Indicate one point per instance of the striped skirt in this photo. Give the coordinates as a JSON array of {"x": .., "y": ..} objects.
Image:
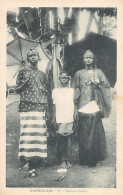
[{"x": 33, "y": 138}]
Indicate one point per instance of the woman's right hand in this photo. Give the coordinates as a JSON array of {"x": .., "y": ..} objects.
[
  {"x": 76, "y": 115},
  {"x": 27, "y": 76},
  {"x": 26, "y": 81},
  {"x": 20, "y": 88}
]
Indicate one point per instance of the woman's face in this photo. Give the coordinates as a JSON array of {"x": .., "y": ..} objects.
[
  {"x": 88, "y": 60},
  {"x": 33, "y": 58}
]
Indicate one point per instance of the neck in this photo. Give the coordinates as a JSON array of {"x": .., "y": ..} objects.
[
  {"x": 64, "y": 85},
  {"x": 33, "y": 66},
  {"x": 88, "y": 67}
]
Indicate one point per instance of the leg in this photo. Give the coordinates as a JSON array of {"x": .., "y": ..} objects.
[
  {"x": 64, "y": 154},
  {"x": 69, "y": 151},
  {"x": 61, "y": 149}
]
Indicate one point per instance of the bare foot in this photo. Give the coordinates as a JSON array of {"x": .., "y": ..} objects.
[
  {"x": 32, "y": 173},
  {"x": 69, "y": 165},
  {"x": 63, "y": 165},
  {"x": 26, "y": 166}
]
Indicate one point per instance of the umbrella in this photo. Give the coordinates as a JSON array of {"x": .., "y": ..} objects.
[
  {"x": 17, "y": 55},
  {"x": 18, "y": 48},
  {"x": 103, "y": 47}
]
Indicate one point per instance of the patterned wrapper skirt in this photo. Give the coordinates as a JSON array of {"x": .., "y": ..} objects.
[{"x": 33, "y": 138}]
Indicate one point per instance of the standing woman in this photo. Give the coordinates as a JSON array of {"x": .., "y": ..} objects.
[
  {"x": 32, "y": 87},
  {"x": 92, "y": 103}
]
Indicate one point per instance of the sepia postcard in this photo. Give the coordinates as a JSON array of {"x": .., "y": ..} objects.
[{"x": 61, "y": 97}]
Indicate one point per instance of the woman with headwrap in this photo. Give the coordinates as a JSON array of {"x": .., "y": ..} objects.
[
  {"x": 32, "y": 87},
  {"x": 92, "y": 103}
]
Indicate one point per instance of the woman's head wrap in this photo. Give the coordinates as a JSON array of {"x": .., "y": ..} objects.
[
  {"x": 31, "y": 52},
  {"x": 88, "y": 53}
]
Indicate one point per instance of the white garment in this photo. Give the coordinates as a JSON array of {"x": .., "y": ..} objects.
[
  {"x": 90, "y": 107},
  {"x": 63, "y": 99}
]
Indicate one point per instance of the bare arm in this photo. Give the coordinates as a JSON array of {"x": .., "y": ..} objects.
[
  {"x": 76, "y": 94},
  {"x": 20, "y": 82}
]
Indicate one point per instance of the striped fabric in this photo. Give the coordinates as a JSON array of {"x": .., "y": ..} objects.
[{"x": 33, "y": 139}]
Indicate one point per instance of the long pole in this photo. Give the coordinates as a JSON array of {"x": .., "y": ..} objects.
[
  {"x": 26, "y": 23},
  {"x": 39, "y": 15}
]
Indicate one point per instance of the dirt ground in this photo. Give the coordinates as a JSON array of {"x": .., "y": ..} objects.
[{"x": 78, "y": 176}]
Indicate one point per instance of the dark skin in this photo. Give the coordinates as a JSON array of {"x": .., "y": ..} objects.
[
  {"x": 33, "y": 59},
  {"x": 64, "y": 79},
  {"x": 88, "y": 61}
]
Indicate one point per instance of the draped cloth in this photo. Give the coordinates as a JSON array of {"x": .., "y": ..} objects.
[
  {"x": 91, "y": 138},
  {"x": 84, "y": 93},
  {"x": 33, "y": 138},
  {"x": 63, "y": 100},
  {"x": 93, "y": 103},
  {"x": 32, "y": 108}
]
